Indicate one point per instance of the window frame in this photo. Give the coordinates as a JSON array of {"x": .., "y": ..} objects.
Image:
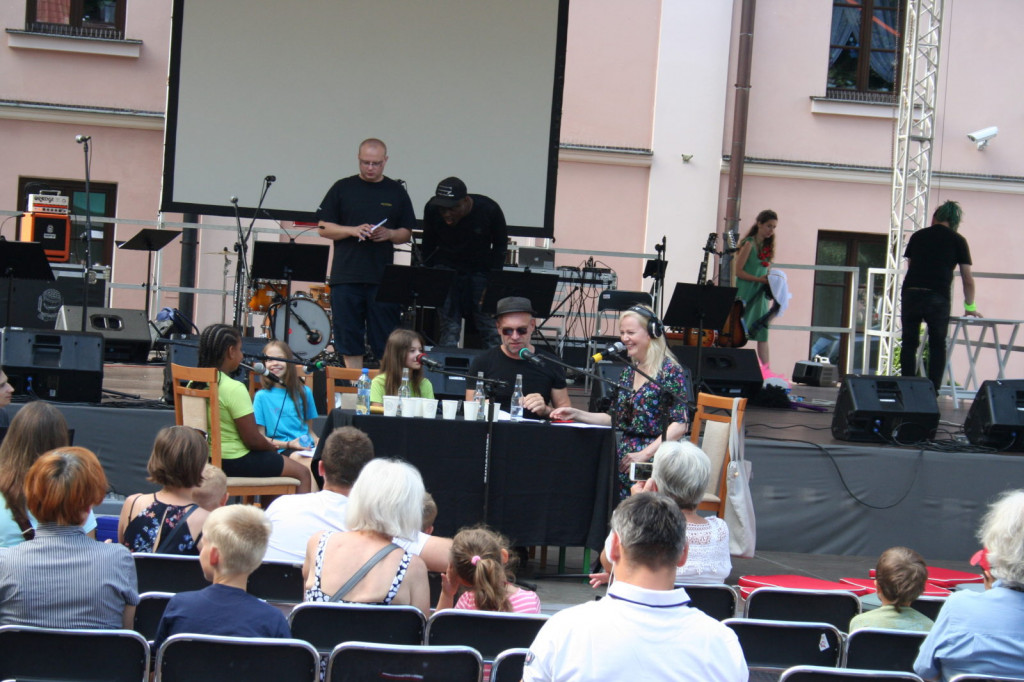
[
  {"x": 861, "y": 92},
  {"x": 78, "y": 26}
]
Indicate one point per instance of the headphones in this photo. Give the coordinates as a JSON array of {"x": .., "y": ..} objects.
[{"x": 655, "y": 328}]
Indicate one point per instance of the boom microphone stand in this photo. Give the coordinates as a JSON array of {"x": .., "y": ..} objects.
[{"x": 84, "y": 141}]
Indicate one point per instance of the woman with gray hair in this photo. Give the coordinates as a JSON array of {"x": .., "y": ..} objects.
[
  {"x": 364, "y": 565},
  {"x": 982, "y": 633}
]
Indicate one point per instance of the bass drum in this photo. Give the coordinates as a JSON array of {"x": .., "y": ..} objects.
[{"x": 310, "y": 325}]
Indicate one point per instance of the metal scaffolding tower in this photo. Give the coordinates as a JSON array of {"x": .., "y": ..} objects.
[{"x": 911, "y": 168}]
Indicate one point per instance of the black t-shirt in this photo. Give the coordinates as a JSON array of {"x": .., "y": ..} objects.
[
  {"x": 476, "y": 243},
  {"x": 536, "y": 378},
  {"x": 933, "y": 253},
  {"x": 353, "y": 201}
]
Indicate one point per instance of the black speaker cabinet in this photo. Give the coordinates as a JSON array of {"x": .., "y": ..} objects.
[
  {"x": 54, "y": 365},
  {"x": 732, "y": 372},
  {"x": 601, "y": 394},
  {"x": 996, "y": 417},
  {"x": 879, "y": 409},
  {"x": 815, "y": 374},
  {"x": 127, "y": 336},
  {"x": 454, "y": 360}
]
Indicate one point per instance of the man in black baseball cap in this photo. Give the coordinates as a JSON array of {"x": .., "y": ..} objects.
[{"x": 466, "y": 233}]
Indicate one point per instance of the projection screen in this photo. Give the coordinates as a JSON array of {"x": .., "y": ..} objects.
[{"x": 471, "y": 88}]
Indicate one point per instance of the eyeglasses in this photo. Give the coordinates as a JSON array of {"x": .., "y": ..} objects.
[
  {"x": 509, "y": 331},
  {"x": 371, "y": 164}
]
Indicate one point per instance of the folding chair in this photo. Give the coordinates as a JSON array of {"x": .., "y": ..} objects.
[
  {"x": 347, "y": 374},
  {"x": 205, "y": 658},
  {"x": 488, "y": 632},
  {"x": 148, "y": 613},
  {"x": 30, "y": 653},
  {"x": 813, "y": 673},
  {"x": 715, "y": 444},
  {"x": 881, "y": 649},
  {"x": 325, "y": 626},
  {"x": 169, "y": 573},
  {"x": 508, "y": 665},
  {"x": 717, "y": 601},
  {"x": 774, "y": 645},
  {"x": 984, "y": 678},
  {"x": 361, "y": 661},
  {"x": 277, "y": 581},
  {"x": 929, "y": 606},
  {"x": 200, "y": 408},
  {"x": 835, "y": 607}
]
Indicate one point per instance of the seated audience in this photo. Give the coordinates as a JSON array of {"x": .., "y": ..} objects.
[
  {"x": 982, "y": 633},
  {"x": 64, "y": 578},
  {"x": 900, "y": 578},
  {"x": 480, "y": 564},
  {"x": 233, "y": 543},
  {"x": 37, "y": 428},
  {"x": 429, "y": 514},
  {"x": 645, "y": 627},
  {"x": 6, "y": 393},
  {"x": 212, "y": 493},
  {"x": 297, "y": 517},
  {"x": 168, "y": 521},
  {"x": 363, "y": 565}
]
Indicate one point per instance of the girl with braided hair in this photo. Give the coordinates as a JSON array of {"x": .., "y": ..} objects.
[{"x": 244, "y": 450}]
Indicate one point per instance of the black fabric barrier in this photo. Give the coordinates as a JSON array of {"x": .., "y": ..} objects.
[{"x": 549, "y": 484}]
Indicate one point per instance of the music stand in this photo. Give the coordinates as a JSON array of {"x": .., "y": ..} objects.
[
  {"x": 416, "y": 288},
  {"x": 149, "y": 240},
  {"x": 24, "y": 260},
  {"x": 539, "y": 287},
  {"x": 290, "y": 261},
  {"x": 699, "y": 306}
]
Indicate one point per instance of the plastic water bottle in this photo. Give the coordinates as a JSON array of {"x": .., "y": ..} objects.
[
  {"x": 480, "y": 399},
  {"x": 363, "y": 393},
  {"x": 517, "y": 400},
  {"x": 404, "y": 391}
]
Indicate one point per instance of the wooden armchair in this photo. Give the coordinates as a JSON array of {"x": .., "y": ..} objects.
[
  {"x": 348, "y": 374},
  {"x": 715, "y": 444}
]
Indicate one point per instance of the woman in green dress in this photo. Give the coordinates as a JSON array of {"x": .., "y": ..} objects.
[{"x": 751, "y": 265}]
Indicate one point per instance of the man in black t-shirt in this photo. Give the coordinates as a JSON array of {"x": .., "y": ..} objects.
[
  {"x": 932, "y": 254},
  {"x": 365, "y": 215},
  {"x": 466, "y": 233},
  {"x": 544, "y": 386}
]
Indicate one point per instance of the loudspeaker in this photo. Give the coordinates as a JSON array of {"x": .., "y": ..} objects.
[
  {"x": 996, "y": 418},
  {"x": 815, "y": 374},
  {"x": 454, "y": 360},
  {"x": 127, "y": 336},
  {"x": 732, "y": 372},
  {"x": 877, "y": 409},
  {"x": 51, "y": 230},
  {"x": 601, "y": 394},
  {"x": 64, "y": 366}
]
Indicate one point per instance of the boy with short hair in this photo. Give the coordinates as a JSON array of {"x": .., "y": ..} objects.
[
  {"x": 212, "y": 493},
  {"x": 900, "y": 578},
  {"x": 233, "y": 544},
  {"x": 429, "y": 514}
]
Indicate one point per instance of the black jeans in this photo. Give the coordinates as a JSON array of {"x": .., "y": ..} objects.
[{"x": 933, "y": 309}]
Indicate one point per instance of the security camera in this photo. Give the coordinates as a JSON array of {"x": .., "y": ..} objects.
[{"x": 983, "y": 136}]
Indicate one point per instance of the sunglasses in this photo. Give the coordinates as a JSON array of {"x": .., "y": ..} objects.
[{"x": 508, "y": 331}]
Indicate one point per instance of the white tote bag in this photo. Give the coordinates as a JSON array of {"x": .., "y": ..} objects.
[{"x": 739, "y": 507}]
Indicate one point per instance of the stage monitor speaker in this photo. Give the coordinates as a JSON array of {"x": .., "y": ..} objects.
[
  {"x": 454, "y": 360},
  {"x": 127, "y": 334},
  {"x": 815, "y": 374},
  {"x": 881, "y": 409},
  {"x": 601, "y": 394},
  {"x": 732, "y": 372},
  {"x": 996, "y": 418},
  {"x": 54, "y": 365}
]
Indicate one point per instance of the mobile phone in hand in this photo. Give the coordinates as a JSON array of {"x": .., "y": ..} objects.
[{"x": 640, "y": 471}]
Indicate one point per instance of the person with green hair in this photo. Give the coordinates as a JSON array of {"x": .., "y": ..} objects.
[{"x": 932, "y": 254}]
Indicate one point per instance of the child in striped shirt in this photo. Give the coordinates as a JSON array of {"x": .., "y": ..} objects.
[{"x": 480, "y": 564}]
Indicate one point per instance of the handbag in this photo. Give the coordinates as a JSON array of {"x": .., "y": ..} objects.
[{"x": 739, "y": 506}]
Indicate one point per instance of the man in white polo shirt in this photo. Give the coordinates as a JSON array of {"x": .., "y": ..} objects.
[
  {"x": 296, "y": 518},
  {"x": 644, "y": 628}
]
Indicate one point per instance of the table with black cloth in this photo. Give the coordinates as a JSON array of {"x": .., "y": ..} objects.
[{"x": 548, "y": 484}]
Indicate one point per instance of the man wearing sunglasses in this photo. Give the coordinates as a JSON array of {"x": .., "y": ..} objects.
[{"x": 543, "y": 383}]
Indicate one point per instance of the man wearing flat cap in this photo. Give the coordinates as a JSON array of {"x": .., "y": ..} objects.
[
  {"x": 543, "y": 382},
  {"x": 466, "y": 233}
]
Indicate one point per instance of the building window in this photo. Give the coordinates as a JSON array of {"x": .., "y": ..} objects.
[
  {"x": 102, "y": 202},
  {"x": 865, "y": 49},
  {"x": 77, "y": 18}
]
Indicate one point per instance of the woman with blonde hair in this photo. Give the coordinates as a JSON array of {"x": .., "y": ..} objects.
[{"x": 645, "y": 411}]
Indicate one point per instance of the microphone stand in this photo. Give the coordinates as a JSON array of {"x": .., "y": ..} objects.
[
  {"x": 487, "y": 381},
  {"x": 242, "y": 247},
  {"x": 584, "y": 372},
  {"x": 88, "y": 241}
]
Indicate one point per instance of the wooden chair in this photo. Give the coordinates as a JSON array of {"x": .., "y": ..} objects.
[
  {"x": 347, "y": 374},
  {"x": 715, "y": 444},
  {"x": 200, "y": 408}
]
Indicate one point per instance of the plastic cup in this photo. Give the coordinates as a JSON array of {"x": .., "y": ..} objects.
[
  {"x": 410, "y": 407},
  {"x": 469, "y": 410},
  {"x": 390, "y": 405},
  {"x": 449, "y": 408},
  {"x": 428, "y": 407}
]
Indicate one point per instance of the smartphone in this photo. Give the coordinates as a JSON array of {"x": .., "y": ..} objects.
[{"x": 640, "y": 471}]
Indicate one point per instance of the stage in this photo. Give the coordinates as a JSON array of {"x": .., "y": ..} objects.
[{"x": 812, "y": 494}]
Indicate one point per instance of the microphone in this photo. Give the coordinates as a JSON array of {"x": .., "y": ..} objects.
[
  {"x": 427, "y": 362},
  {"x": 270, "y": 178},
  {"x": 261, "y": 369},
  {"x": 313, "y": 336},
  {"x": 615, "y": 350},
  {"x": 82, "y": 138},
  {"x": 234, "y": 200},
  {"x": 317, "y": 366},
  {"x": 527, "y": 354}
]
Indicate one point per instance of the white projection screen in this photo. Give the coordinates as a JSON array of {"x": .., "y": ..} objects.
[{"x": 471, "y": 88}]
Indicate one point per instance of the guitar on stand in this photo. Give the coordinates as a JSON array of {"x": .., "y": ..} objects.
[{"x": 733, "y": 334}]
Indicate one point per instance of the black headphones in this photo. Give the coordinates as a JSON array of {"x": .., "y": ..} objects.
[{"x": 655, "y": 329}]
